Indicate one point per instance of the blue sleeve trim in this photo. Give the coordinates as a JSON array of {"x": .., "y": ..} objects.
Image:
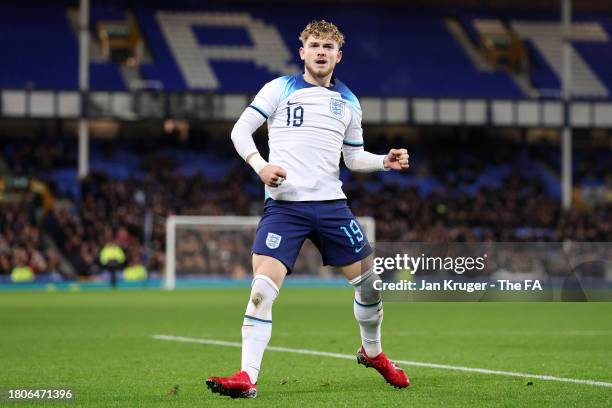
[
  {"x": 259, "y": 110},
  {"x": 372, "y": 305},
  {"x": 347, "y": 95},
  {"x": 354, "y": 144},
  {"x": 291, "y": 84},
  {"x": 257, "y": 319}
]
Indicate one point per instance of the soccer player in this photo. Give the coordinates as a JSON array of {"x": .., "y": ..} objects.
[{"x": 312, "y": 119}]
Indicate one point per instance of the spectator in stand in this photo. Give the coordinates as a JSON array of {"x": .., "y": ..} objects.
[{"x": 517, "y": 209}]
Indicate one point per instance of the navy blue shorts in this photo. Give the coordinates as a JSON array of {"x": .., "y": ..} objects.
[{"x": 330, "y": 225}]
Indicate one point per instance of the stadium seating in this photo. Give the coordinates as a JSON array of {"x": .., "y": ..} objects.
[
  {"x": 456, "y": 190},
  {"x": 405, "y": 52},
  {"x": 503, "y": 191},
  {"x": 39, "y": 47},
  {"x": 396, "y": 60},
  {"x": 541, "y": 34}
]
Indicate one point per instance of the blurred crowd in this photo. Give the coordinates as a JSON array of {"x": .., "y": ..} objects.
[
  {"x": 21, "y": 243},
  {"x": 518, "y": 211},
  {"x": 132, "y": 211}
]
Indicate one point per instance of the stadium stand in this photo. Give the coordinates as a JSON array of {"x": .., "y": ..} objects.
[
  {"x": 458, "y": 189},
  {"x": 504, "y": 191},
  {"x": 40, "y": 48},
  {"x": 258, "y": 45}
]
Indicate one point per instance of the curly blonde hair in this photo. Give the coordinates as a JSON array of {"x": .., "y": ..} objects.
[{"x": 322, "y": 29}]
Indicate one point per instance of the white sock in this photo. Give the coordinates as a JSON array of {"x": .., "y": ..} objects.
[
  {"x": 368, "y": 309},
  {"x": 257, "y": 324}
]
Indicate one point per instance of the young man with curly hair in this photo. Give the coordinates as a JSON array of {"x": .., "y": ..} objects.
[{"x": 313, "y": 119}]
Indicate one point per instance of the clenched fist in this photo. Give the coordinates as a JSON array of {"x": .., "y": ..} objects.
[
  {"x": 273, "y": 175},
  {"x": 397, "y": 159}
]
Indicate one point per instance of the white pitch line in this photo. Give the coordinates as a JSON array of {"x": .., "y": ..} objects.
[{"x": 404, "y": 362}]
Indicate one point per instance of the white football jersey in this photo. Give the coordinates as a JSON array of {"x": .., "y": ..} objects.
[{"x": 307, "y": 126}]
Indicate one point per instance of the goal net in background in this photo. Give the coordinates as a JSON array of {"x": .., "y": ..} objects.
[{"x": 220, "y": 247}]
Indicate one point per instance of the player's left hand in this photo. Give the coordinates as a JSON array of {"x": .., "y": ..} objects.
[{"x": 397, "y": 159}]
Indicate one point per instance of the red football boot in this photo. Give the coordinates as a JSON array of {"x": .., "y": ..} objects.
[
  {"x": 392, "y": 373},
  {"x": 238, "y": 385}
]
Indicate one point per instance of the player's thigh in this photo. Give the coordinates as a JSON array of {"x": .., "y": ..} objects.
[
  {"x": 357, "y": 268},
  {"x": 280, "y": 235},
  {"x": 341, "y": 240},
  {"x": 270, "y": 267}
]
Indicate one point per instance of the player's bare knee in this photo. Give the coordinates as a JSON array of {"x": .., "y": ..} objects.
[{"x": 366, "y": 263}]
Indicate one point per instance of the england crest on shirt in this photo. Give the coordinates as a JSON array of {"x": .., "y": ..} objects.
[
  {"x": 336, "y": 106},
  {"x": 273, "y": 240}
]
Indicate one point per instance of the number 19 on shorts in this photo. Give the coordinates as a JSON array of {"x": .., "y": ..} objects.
[{"x": 353, "y": 232}]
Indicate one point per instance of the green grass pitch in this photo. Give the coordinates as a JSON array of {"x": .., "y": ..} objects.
[{"x": 99, "y": 344}]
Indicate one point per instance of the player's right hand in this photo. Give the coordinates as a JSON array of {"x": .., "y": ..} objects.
[{"x": 273, "y": 175}]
